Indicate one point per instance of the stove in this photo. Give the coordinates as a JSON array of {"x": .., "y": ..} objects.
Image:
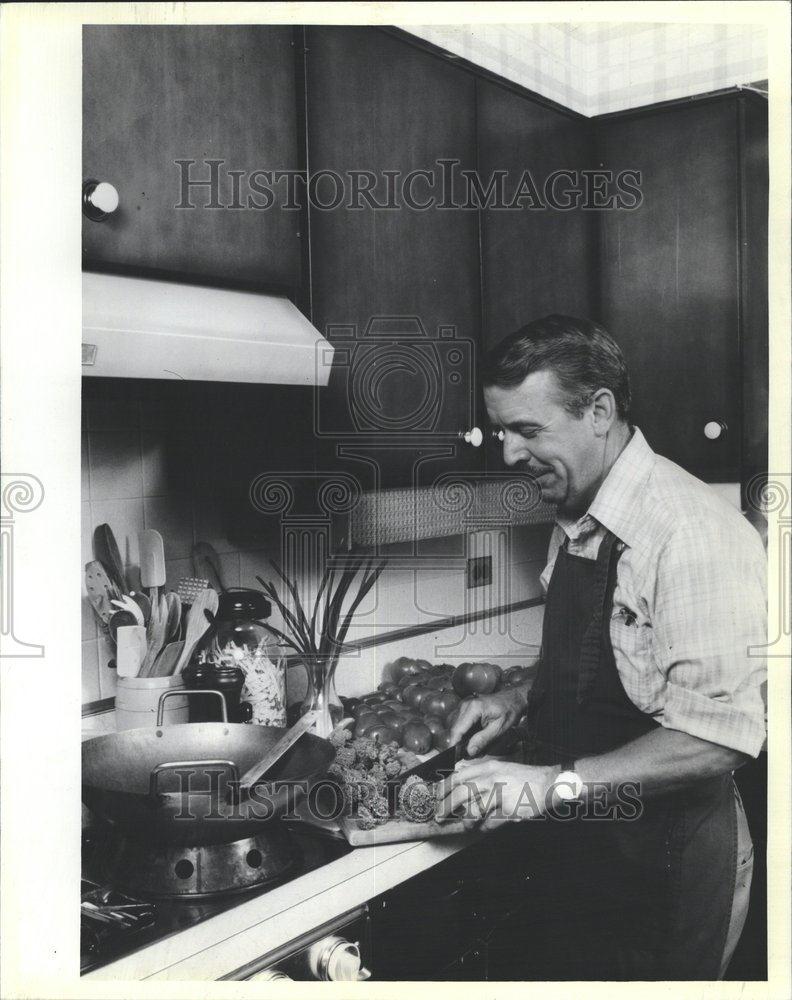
[{"x": 134, "y": 895}]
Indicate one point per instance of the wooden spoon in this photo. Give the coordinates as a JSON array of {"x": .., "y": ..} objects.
[
  {"x": 196, "y": 625},
  {"x": 165, "y": 664},
  {"x": 173, "y": 604}
]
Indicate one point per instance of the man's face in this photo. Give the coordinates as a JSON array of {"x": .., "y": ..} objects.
[{"x": 564, "y": 452}]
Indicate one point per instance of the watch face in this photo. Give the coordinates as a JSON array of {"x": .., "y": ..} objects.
[{"x": 568, "y": 786}]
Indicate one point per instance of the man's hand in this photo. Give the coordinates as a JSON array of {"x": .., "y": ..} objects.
[
  {"x": 495, "y": 712},
  {"x": 489, "y": 792}
]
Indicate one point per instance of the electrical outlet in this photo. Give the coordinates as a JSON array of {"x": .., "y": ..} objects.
[{"x": 479, "y": 571}]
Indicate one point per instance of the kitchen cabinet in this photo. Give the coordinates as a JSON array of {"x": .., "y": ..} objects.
[
  {"x": 674, "y": 275},
  {"x": 154, "y": 95},
  {"x": 396, "y": 289},
  {"x": 535, "y": 259}
]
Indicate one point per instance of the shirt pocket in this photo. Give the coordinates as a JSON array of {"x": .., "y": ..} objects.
[{"x": 631, "y": 637}]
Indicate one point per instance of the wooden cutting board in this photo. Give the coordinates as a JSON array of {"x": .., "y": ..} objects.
[{"x": 397, "y": 830}]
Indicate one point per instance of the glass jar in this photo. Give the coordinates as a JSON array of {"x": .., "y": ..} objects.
[{"x": 238, "y": 657}]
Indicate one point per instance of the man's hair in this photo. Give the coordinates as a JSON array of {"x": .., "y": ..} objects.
[{"x": 582, "y": 356}]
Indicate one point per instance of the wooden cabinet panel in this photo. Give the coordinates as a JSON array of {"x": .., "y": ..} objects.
[
  {"x": 396, "y": 289},
  {"x": 156, "y": 94},
  {"x": 670, "y": 279},
  {"x": 535, "y": 260},
  {"x": 753, "y": 262}
]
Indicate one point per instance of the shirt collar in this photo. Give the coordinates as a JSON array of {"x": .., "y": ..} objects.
[{"x": 618, "y": 502}]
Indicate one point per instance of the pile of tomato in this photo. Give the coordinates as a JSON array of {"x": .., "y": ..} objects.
[{"x": 419, "y": 702}]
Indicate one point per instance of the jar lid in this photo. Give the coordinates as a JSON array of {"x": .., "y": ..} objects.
[{"x": 243, "y": 602}]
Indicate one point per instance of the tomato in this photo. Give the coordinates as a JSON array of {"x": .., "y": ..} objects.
[
  {"x": 410, "y": 677},
  {"x": 434, "y": 724},
  {"x": 423, "y": 665},
  {"x": 417, "y": 737},
  {"x": 433, "y": 704},
  {"x": 516, "y": 675},
  {"x": 476, "y": 678},
  {"x": 413, "y": 694},
  {"x": 383, "y": 733},
  {"x": 442, "y": 739},
  {"x": 375, "y": 698},
  {"x": 402, "y": 667},
  {"x": 395, "y": 722},
  {"x": 365, "y": 723},
  {"x": 446, "y": 703}
]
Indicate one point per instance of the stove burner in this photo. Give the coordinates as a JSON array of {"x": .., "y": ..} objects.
[
  {"x": 107, "y": 859},
  {"x": 202, "y": 871}
]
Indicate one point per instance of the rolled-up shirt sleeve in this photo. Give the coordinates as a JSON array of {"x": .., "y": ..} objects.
[{"x": 708, "y": 612}]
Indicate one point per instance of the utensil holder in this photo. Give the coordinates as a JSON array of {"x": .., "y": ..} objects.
[{"x": 137, "y": 699}]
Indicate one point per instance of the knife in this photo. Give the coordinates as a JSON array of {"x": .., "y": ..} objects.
[{"x": 442, "y": 764}]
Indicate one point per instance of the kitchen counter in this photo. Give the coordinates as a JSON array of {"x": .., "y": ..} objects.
[{"x": 244, "y": 933}]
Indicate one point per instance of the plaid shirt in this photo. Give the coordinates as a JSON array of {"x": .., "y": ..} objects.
[{"x": 690, "y": 598}]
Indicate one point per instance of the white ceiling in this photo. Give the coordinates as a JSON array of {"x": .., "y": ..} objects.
[{"x": 599, "y": 67}]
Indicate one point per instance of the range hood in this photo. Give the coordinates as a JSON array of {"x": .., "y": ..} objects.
[{"x": 141, "y": 328}]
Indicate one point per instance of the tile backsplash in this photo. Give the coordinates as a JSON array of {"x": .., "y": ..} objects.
[{"x": 156, "y": 457}]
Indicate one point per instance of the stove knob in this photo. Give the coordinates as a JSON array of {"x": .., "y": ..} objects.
[
  {"x": 268, "y": 974},
  {"x": 336, "y": 960}
]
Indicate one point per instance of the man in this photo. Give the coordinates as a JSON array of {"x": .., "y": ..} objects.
[{"x": 656, "y": 593}]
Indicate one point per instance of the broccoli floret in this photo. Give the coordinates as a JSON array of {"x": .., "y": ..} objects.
[
  {"x": 393, "y": 768},
  {"x": 340, "y": 737},
  {"x": 365, "y": 820},
  {"x": 378, "y": 775},
  {"x": 378, "y": 807},
  {"x": 345, "y": 757},
  {"x": 417, "y": 800},
  {"x": 388, "y": 752},
  {"x": 367, "y": 750}
]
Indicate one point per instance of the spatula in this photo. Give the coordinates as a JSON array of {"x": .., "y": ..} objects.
[
  {"x": 152, "y": 562},
  {"x": 206, "y": 562},
  {"x": 101, "y": 591},
  {"x": 196, "y": 625},
  {"x": 106, "y": 549},
  {"x": 274, "y": 754}
]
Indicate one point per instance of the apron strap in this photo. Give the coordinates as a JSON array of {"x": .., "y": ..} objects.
[{"x": 607, "y": 559}]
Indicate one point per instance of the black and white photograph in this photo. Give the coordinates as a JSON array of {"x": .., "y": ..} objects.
[{"x": 417, "y": 516}]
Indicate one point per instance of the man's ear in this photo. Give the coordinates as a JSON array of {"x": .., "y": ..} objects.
[{"x": 603, "y": 411}]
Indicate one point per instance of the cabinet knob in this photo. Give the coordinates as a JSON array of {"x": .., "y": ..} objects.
[
  {"x": 714, "y": 429},
  {"x": 100, "y": 199},
  {"x": 474, "y": 437}
]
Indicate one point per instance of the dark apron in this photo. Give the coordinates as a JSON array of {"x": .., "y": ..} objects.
[{"x": 647, "y": 898}]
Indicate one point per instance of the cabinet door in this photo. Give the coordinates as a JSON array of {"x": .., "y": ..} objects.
[
  {"x": 535, "y": 261},
  {"x": 396, "y": 289},
  {"x": 153, "y": 95},
  {"x": 670, "y": 282}
]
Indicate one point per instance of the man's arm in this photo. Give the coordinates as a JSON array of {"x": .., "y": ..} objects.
[{"x": 662, "y": 760}]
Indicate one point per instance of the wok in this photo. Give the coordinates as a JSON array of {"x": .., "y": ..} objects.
[{"x": 137, "y": 780}]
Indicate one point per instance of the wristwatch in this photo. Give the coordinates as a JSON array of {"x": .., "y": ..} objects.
[{"x": 568, "y": 786}]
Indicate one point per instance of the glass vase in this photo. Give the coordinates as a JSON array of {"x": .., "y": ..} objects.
[{"x": 321, "y": 696}]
